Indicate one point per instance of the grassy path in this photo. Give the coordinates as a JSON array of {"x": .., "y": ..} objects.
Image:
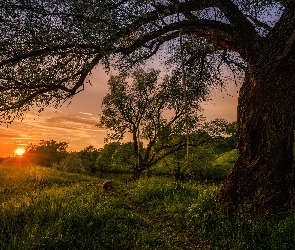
[{"x": 179, "y": 233}]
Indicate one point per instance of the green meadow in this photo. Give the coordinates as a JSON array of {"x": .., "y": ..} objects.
[{"x": 45, "y": 208}]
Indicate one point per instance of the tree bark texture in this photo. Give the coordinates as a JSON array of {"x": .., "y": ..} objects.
[{"x": 263, "y": 176}]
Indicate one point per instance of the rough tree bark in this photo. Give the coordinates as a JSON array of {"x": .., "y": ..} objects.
[{"x": 263, "y": 176}]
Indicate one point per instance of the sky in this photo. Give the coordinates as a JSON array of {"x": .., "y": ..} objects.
[{"x": 75, "y": 122}]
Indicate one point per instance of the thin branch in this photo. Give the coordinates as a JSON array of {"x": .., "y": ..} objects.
[
  {"x": 45, "y": 51},
  {"x": 258, "y": 23},
  {"x": 84, "y": 74}
]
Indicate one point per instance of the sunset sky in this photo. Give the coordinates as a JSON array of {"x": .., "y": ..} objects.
[{"x": 75, "y": 123}]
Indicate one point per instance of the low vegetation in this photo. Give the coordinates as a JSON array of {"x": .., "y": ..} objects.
[{"x": 45, "y": 208}]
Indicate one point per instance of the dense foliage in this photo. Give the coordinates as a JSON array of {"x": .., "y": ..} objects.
[
  {"x": 79, "y": 162},
  {"x": 46, "y": 152}
]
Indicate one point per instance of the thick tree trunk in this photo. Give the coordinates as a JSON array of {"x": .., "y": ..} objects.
[{"x": 263, "y": 177}]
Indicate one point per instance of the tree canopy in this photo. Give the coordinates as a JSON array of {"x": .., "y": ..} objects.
[{"x": 48, "y": 48}]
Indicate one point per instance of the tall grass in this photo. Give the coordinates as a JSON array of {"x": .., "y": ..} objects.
[
  {"x": 194, "y": 207},
  {"x": 49, "y": 209},
  {"x": 43, "y": 208}
]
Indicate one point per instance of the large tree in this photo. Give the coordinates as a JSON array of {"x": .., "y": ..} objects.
[{"x": 48, "y": 48}]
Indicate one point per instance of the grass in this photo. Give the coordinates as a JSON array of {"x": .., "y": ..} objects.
[
  {"x": 193, "y": 207},
  {"x": 42, "y": 208}
]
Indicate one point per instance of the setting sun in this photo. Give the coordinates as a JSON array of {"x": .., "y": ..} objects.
[{"x": 19, "y": 151}]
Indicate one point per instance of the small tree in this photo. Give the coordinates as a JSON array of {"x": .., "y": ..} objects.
[
  {"x": 88, "y": 157},
  {"x": 151, "y": 111},
  {"x": 71, "y": 163},
  {"x": 46, "y": 152},
  {"x": 123, "y": 158},
  {"x": 199, "y": 159},
  {"x": 80, "y": 162}
]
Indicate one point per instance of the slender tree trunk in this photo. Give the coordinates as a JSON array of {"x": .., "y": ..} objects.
[
  {"x": 136, "y": 172},
  {"x": 263, "y": 176}
]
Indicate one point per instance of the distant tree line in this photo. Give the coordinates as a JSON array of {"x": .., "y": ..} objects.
[{"x": 205, "y": 145}]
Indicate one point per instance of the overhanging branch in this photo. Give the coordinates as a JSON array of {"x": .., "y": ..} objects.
[
  {"x": 216, "y": 32},
  {"x": 47, "y": 50}
]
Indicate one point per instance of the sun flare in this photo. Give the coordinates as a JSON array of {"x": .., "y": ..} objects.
[{"x": 19, "y": 151}]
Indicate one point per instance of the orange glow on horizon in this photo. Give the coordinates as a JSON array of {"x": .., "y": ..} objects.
[{"x": 19, "y": 151}]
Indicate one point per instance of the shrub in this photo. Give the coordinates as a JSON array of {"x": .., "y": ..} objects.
[{"x": 72, "y": 163}]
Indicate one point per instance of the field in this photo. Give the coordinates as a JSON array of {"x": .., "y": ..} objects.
[{"x": 43, "y": 208}]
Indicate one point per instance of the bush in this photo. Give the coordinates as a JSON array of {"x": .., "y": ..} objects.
[
  {"x": 72, "y": 163},
  {"x": 46, "y": 153},
  {"x": 104, "y": 160},
  {"x": 80, "y": 162},
  {"x": 203, "y": 164},
  {"x": 200, "y": 161}
]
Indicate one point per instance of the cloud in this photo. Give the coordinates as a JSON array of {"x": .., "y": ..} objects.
[
  {"x": 6, "y": 133},
  {"x": 83, "y": 113},
  {"x": 70, "y": 122}
]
